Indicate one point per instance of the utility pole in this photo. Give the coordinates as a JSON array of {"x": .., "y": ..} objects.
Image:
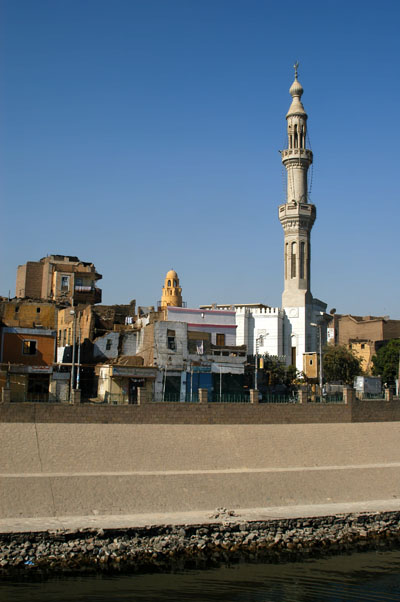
[
  {"x": 258, "y": 341},
  {"x": 320, "y": 356},
  {"x": 72, "y": 313},
  {"x": 78, "y": 375}
]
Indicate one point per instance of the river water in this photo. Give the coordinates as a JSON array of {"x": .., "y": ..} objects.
[{"x": 371, "y": 576}]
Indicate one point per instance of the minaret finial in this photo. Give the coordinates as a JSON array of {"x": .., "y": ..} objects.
[{"x": 296, "y": 66}]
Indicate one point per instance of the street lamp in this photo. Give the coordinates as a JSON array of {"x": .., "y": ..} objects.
[
  {"x": 71, "y": 384},
  {"x": 259, "y": 341},
  {"x": 320, "y": 355}
]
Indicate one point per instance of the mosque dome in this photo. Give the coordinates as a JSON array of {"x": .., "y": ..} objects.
[
  {"x": 296, "y": 89},
  {"x": 172, "y": 274}
]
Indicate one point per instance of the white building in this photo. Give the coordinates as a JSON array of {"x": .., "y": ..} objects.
[{"x": 220, "y": 323}]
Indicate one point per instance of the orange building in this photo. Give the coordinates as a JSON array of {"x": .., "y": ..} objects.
[{"x": 27, "y": 356}]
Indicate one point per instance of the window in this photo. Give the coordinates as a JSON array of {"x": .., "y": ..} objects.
[
  {"x": 171, "y": 340},
  {"x": 108, "y": 344},
  {"x": 169, "y": 283},
  {"x": 38, "y": 310},
  {"x": 362, "y": 345},
  {"x": 65, "y": 283},
  {"x": 220, "y": 340},
  {"x": 302, "y": 248},
  {"x": 286, "y": 258},
  {"x": 16, "y": 309},
  {"x": 29, "y": 348},
  {"x": 175, "y": 283},
  {"x": 78, "y": 281},
  {"x": 293, "y": 261}
]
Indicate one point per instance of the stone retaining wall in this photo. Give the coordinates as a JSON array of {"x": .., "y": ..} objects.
[{"x": 187, "y": 546}]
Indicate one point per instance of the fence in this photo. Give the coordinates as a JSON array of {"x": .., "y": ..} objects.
[
  {"x": 333, "y": 398},
  {"x": 35, "y": 398},
  {"x": 231, "y": 398},
  {"x": 175, "y": 396},
  {"x": 360, "y": 395},
  {"x": 279, "y": 398}
]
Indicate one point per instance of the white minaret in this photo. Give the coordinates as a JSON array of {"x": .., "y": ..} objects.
[{"x": 297, "y": 217}]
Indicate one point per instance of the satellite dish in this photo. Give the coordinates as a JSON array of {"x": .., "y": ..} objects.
[{"x": 333, "y": 311}]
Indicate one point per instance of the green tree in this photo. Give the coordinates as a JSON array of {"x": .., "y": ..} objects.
[
  {"x": 386, "y": 361},
  {"x": 277, "y": 372},
  {"x": 340, "y": 363}
]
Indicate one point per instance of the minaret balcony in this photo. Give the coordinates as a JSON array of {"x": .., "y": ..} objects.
[
  {"x": 293, "y": 214},
  {"x": 295, "y": 153}
]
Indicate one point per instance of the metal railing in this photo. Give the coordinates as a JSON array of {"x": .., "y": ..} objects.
[
  {"x": 279, "y": 398},
  {"x": 115, "y": 398},
  {"x": 230, "y": 398},
  {"x": 33, "y": 398},
  {"x": 175, "y": 397},
  {"x": 333, "y": 398},
  {"x": 369, "y": 395},
  {"x": 327, "y": 398}
]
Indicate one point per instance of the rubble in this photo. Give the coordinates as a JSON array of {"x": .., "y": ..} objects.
[{"x": 167, "y": 548}]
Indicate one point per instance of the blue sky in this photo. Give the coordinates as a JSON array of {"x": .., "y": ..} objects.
[{"x": 144, "y": 136}]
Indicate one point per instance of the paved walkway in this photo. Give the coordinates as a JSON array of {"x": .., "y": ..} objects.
[{"x": 73, "y": 523}]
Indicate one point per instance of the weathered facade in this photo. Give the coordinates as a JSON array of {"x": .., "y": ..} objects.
[
  {"x": 61, "y": 278},
  {"x": 27, "y": 348},
  {"x": 168, "y": 355},
  {"x": 125, "y": 381},
  {"x": 28, "y": 313},
  {"x": 26, "y": 357},
  {"x": 92, "y": 322},
  {"x": 363, "y": 334}
]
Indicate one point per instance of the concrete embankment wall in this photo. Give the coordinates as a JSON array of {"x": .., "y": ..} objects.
[{"x": 76, "y": 469}]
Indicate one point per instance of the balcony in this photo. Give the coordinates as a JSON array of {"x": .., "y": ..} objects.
[
  {"x": 297, "y": 153},
  {"x": 87, "y": 294}
]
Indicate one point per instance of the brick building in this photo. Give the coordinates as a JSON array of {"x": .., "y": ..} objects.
[
  {"x": 27, "y": 356},
  {"x": 363, "y": 334},
  {"x": 61, "y": 278},
  {"x": 28, "y": 313}
]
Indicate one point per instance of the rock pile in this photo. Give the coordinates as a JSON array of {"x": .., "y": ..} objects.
[{"x": 166, "y": 548}]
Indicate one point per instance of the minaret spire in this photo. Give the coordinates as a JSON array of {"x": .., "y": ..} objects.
[{"x": 297, "y": 215}]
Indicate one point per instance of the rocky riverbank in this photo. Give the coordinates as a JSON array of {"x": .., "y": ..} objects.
[{"x": 169, "y": 548}]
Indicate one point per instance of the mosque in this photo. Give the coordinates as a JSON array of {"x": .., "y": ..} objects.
[{"x": 294, "y": 329}]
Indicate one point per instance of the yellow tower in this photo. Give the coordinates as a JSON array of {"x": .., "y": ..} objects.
[{"x": 171, "y": 292}]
